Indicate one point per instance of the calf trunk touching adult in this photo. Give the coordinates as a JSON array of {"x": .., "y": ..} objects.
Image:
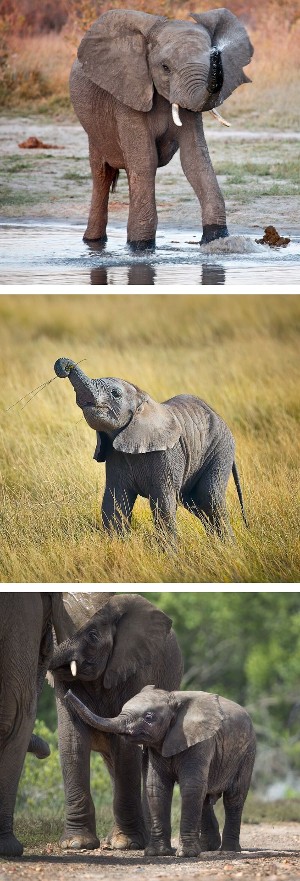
[{"x": 116, "y": 725}]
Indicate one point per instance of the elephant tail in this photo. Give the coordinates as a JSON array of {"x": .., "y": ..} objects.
[
  {"x": 115, "y": 181},
  {"x": 239, "y": 492}
]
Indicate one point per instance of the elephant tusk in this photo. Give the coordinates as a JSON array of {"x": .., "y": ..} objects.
[
  {"x": 219, "y": 118},
  {"x": 175, "y": 114},
  {"x": 73, "y": 666}
]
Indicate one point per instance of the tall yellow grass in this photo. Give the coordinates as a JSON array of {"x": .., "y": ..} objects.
[{"x": 240, "y": 353}]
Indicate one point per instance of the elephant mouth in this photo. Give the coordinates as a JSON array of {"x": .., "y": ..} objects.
[{"x": 67, "y": 672}]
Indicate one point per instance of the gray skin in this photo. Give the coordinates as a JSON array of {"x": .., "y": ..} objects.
[
  {"x": 180, "y": 450},
  {"x": 204, "y": 742},
  {"x": 131, "y": 67},
  {"x": 25, "y": 651},
  {"x": 126, "y": 644}
]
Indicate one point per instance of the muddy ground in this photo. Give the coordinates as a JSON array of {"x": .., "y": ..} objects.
[
  {"x": 270, "y": 851},
  {"x": 258, "y": 173}
]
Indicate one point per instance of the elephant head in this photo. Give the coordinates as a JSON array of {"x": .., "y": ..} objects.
[
  {"x": 121, "y": 413},
  {"x": 170, "y": 721},
  {"x": 122, "y": 637},
  {"x": 194, "y": 65}
]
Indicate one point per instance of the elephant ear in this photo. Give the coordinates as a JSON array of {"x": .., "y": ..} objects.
[
  {"x": 103, "y": 444},
  {"x": 113, "y": 54},
  {"x": 141, "y": 631},
  {"x": 198, "y": 718},
  {"x": 152, "y": 428},
  {"x": 228, "y": 35}
]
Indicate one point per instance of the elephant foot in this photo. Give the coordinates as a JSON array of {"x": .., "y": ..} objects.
[
  {"x": 233, "y": 846},
  {"x": 81, "y": 840},
  {"x": 210, "y": 842},
  {"x": 119, "y": 840},
  {"x": 159, "y": 849},
  {"x": 101, "y": 240},
  {"x": 10, "y": 846},
  {"x": 189, "y": 850},
  {"x": 147, "y": 245},
  {"x": 212, "y": 231}
]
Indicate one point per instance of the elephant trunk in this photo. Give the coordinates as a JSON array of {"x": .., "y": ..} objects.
[
  {"x": 83, "y": 385},
  {"x": 111, "y": 726}
]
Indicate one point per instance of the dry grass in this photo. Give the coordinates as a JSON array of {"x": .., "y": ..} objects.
[
  {"x": 238, "y": 353},
  {"x": 36, "y": 77}
]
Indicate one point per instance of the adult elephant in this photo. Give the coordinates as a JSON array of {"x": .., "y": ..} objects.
[
  {"x": 125, "y": 645},
  {"x": 139, "y": 88},
  {"x": 178, "y": 450},
  {"x": 25, "y": 651}
]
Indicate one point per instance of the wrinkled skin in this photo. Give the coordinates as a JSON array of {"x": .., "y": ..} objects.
[
  {"x": 204, "y": 742},
  {"x": 180, "y": 450},
  {"x": 124, "y": 645},
  {"x": 131, "y": 68},
  {"x": 25, "y": 651}
]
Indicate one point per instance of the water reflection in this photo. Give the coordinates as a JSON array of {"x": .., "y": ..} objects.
[
  {"x": 146, "y": 274},
  {"x": 137, "y": 274},
  {"x": 213, "y": 274}
]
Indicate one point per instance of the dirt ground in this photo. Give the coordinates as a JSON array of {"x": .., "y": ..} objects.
[
  {"x": 269, "y": 851},
  {"x": 258, "y": 173}
]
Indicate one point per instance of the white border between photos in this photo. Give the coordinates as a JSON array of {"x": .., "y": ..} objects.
[
  {"x": 167, "y": 290},
  {"x": 167, "y": 587}
]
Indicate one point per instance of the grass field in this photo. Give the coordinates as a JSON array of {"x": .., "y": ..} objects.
[{"x": 239, "y": 353}]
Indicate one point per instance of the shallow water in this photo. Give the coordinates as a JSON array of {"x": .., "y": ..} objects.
[{"x": 49, "y": 252}]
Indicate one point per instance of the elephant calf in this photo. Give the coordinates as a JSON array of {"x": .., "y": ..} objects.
[
  {"x": 180, "y": 450},
  {"x": 204, "y": 742}
]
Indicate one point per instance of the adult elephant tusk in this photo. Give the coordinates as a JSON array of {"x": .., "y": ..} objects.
[
  {"x": 175, "y": 114},
  {"x": 220, "y": 118},
  {"x": 73, "y": 666}
]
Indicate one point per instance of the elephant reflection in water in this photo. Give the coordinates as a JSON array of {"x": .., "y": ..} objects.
[{"x": 139, "y": 87}]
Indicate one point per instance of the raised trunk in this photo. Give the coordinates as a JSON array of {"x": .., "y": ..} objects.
[
  {"x": 83, "y": 385},
  {"x": 111, "y": 726}
]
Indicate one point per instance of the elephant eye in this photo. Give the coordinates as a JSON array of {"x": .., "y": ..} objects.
[
  {"x": 166, "y": 68},
  {"x": 116, "y": 392},
  {"x": 149, "y": 717},
  {"x": 93, "y": 636}
]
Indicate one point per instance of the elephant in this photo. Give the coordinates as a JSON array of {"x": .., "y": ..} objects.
[
  {"x": 180, "y": 450},
  {"x": 124, "y": 645},
  {"x": 139, "y": 87},
  {"x": 25, "y": 651},
  {"x": 204, "y": 742}
]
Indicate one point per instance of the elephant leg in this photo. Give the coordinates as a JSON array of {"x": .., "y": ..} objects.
[
  {"x": 74, "y": 747},
  {"x": 207, "y": 499},
  {"x": 103, "y": 176},
  {"x": 198, "y": 169},
  {"x": 193, "y": 793},
  {"x": 234, "y": 799},
  {"x": 117, "y": 508},
  {"x": 210, "y": 838},
  {"x": 164, "y": 515},
  {"x": 159, "y": 795},
  {"x": 12, "y": 756},
  {"x": 129, "y": 832},
  {"x": 140, "y": 159}
]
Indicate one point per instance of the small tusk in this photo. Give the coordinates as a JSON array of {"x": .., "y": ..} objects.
[
  {"x": 73, "y": 666},
  {"x": 175, "y": 114},
  {"x": 220, "y": 118}
]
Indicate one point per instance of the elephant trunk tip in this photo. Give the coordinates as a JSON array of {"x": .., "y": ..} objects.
[{"x": 63, "y": 366}]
